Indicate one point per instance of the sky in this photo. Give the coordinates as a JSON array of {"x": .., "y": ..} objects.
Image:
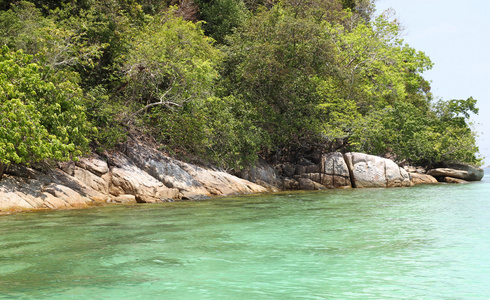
[{"x": 456, "y": 37}]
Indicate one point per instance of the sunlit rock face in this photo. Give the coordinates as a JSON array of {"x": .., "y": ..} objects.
[
  {"x": 334, "y": 170},
  {"x": 418, "y": 178},
  {"x": 369, "y": 171},
  {"x": 141, "y": 174}
]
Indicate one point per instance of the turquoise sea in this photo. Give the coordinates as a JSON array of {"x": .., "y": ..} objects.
[{"x": 424, "y": 242}]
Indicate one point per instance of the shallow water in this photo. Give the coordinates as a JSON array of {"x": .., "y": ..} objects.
[{"x": 425, "y": 242}]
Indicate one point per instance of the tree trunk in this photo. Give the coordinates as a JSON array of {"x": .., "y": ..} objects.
[{"x": 1, "y": 170}]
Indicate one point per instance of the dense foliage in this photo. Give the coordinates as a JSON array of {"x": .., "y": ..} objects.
[
  {"x": 220, "y": 81},
  {"x": 42, "y": 116}
]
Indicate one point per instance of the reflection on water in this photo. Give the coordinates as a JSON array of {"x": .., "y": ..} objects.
[{"x": 421, "y": 242}]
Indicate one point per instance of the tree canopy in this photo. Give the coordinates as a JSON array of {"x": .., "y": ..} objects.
[
  {"x": 220, "y": 81},
  {"x": 42, "y": 115}
]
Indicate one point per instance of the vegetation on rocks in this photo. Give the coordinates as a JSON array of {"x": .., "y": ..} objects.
[{"x": 220, "y": 81}]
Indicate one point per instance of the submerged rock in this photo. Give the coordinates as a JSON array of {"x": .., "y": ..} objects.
[{"x": 123, "y": 199}]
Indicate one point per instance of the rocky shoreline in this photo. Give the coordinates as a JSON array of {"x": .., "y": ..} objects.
[
  {"x": 355, "y": 170},
  {"x": 142, "y": 174}
]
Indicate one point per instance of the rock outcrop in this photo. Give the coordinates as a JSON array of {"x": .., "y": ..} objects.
[
  {"x": 461, "y": 171},
  {"x": 332, "y": 171},
  {"x": 356, "y": 170},
  {"x": 263, "y": 174},
  {"x": 141, "y": 174}
]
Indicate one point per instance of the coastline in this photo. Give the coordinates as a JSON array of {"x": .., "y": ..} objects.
[{"x": 142, "y": 174}]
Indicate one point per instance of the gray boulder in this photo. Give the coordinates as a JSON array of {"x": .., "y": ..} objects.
[
  {"x": 334, "y": 171},
  {"x": 369, "y": 171}
]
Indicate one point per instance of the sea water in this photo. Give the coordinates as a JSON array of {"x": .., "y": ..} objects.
[{"x": 424, "y": 242}]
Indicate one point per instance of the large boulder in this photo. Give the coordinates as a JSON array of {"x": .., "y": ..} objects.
[
  {"x": 369, "y": 171},
  {"x": 334, "y": 171},
  {"x": 331, "y": 172},
  {"x": 396, "y": 176},
  {"x": 461, "y": 171}
]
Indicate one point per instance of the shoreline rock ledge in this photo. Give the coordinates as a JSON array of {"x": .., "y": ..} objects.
[
  {"x": 458, "y": 171},
  {"x": 332, "y": 170},
  {"x": 142, "y": 174}
]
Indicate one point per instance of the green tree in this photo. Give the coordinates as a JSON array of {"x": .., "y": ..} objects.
[
  {"x": 171, "y": 62},
  {"x": 378, "y": 69},
  {"x": 276, "y": 63},
  {"x": 222, "y": 16},
  {"x": 416, "y": 135},
  {"x": 40, "y": 118}
]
